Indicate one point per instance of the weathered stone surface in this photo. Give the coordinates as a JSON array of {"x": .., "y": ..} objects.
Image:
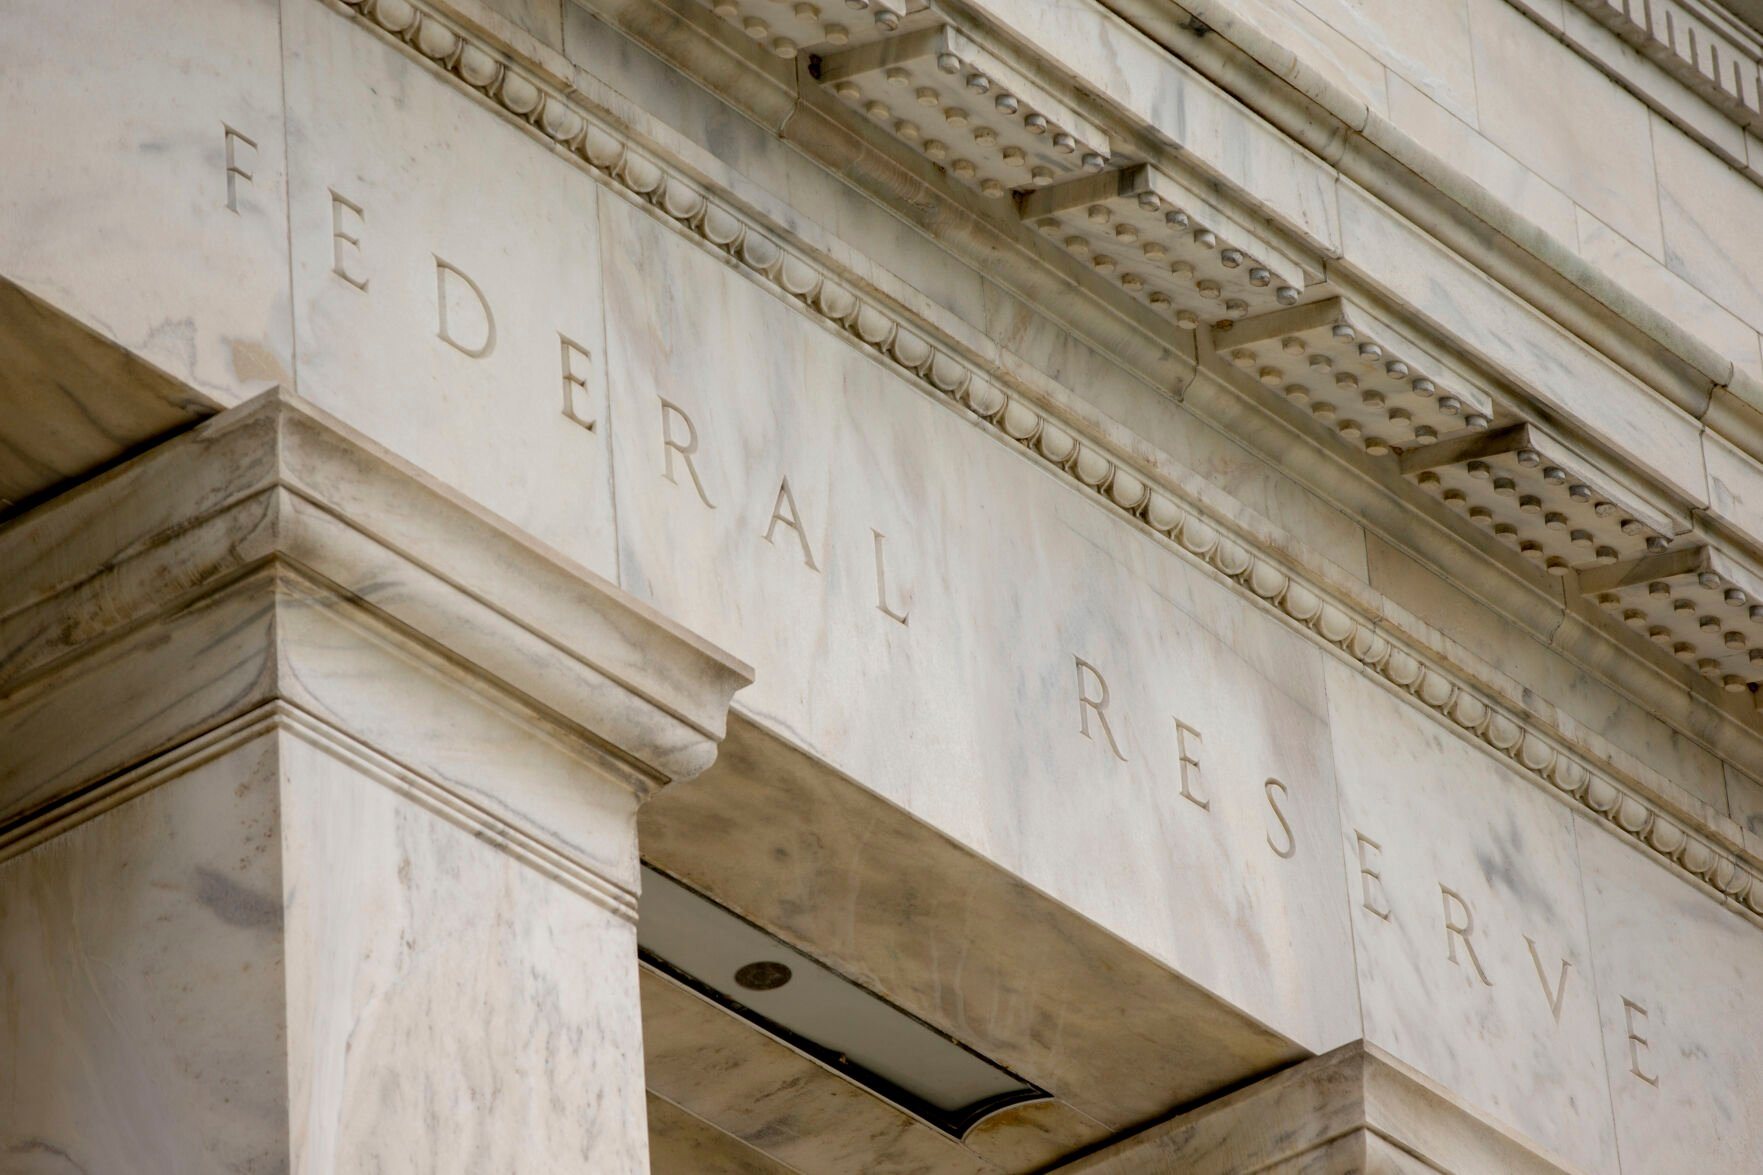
[{"x": 1339, "y": 704}]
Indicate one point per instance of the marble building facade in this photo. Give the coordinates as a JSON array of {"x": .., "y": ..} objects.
[{"x": 881, "y": 586}]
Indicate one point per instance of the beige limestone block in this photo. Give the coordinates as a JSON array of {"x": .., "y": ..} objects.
[
  {"x": 1735, "y": 488},
  {"x": 1343, "y": 59},
  {"x": 1667, "y": 292},
  {"x": 1678, "y": 972},
  {"x": 969, "y": 713},
  {"x": 1537, "y": 99},
  {"x": 1456, "y": 140},
  {"x": 1425, "y": 41},
  {"x": 1437, "y": 834},
  {"x": 143, "y": 191},
  {"x": 1710, "y": 212},
  {"x": 410, "y": 200}
]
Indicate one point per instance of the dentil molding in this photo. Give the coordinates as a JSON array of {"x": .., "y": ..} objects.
[
  {"x": 1578, "y": 768},
  {"x": 1698, "y": 44}
]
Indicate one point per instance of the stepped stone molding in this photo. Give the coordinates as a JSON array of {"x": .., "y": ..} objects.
[
  {"x": 1701, "y": 605},
  {"x": 1354, "y": 375},
  {"x": 1165, "y": 245},
  {"x": 942, "y": 94},
  {"x": 1700, "y": 854},
  {"x": 1698, "y": 44},
  {"x": 1533, "y": 493}
]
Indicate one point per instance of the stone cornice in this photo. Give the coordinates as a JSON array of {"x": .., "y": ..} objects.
[
  {"x": 1480, "y": 703},
  {"x": 1342, "y": 130},
  {"x": 275, "y": 481},
  {"x": 863, "y": 152}
]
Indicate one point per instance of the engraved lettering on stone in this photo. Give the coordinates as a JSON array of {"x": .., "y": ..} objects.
[
  {"x": 1095, "y": 702},
  {"x": 787, "y": 500},
  {"x": 1291, "y": 846},
  {"x": 1187, "y": 749},
  {"x": 881, "y": 582},
  {"x": 1636, "y": 1042},
  {"x": 343, "y": 208},
  {"x": 1371, "y": 894},
  {"x": 1558, "y": 996},
  {"x": 672, "y": 444},
  {"x": 1459, "y": 925},
  {"x": 445, "y": 288},
  {"x": 575, "y": 385},
  {"x": 235, "y": 167}
]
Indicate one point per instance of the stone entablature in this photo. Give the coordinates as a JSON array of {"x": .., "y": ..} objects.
[
  {"x": 1096, "y": 677},
  {"x": 1652, "y": 442},
  {"x": 1460, "y": 689}
]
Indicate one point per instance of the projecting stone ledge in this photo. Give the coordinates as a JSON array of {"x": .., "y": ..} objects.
[
  {"x": 1354, "y": 1111},
  {"x": 278, "y": 485}
]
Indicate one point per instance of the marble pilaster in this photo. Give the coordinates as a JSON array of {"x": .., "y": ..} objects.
[{"x": 319, "y": 804}]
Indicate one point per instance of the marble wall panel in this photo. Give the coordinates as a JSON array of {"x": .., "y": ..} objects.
[
  {"x": 502, "y": 759},
  {"x": 1744, "y": 801},
  {"x": 968, "y": 713},
  {"x": 1735, "y": 487},
  {"x": 1641, "y": 75},
  {"x": 450, "y": 1008},
  {"x": 1343, "y": 59},
  {"x": 540, "y": 19},
  {"x": 1455, "y": 139},
  {"x": 1710, "y": 212},
  {"x": 1455, "y": 839},
  {"x": 684, "y": 1144},
  {"x": 117, "y": 205},
  {"x": 1677, "y": 971},
  {"x": 1424, "y": 41},
  {"x": 1537, "y": 99},
  {"x": 395, "y": 172},
  {"x": 775, "y": 1099},
  {"x": 1669, "y": 294},
  {"x": 141, "y": 981}
]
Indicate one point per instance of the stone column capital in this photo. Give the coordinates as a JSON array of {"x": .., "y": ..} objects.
[{"x": 278, "y": 498}]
